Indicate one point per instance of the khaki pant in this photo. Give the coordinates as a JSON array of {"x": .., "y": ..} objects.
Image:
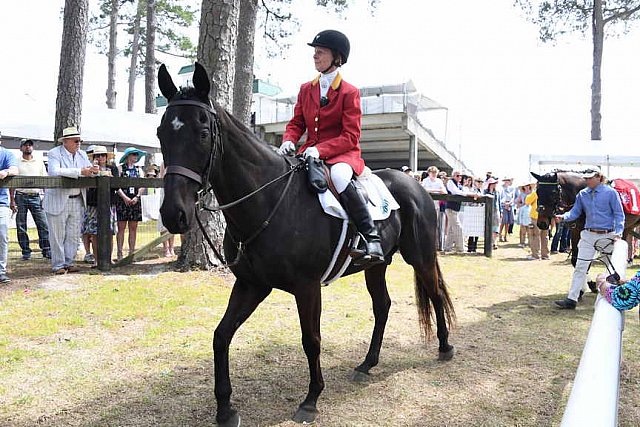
[{"x": 539, "y": 241}]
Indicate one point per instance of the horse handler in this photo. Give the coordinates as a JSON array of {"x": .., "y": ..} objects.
[{"x": 604, "y": 221}]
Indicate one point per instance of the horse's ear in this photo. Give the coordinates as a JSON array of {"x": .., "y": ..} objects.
[
  {"x": 536, "y": 176},
  {"x": 201, "y": 81},
  {"x": 167, "y": 88}
]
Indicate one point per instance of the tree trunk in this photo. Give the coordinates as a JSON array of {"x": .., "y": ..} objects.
[
  {"x": 150, "y": 60},
  {"x": 596, "y": 84},
  {"x": 71, "y": 73},
  {"x": 113, "y": 52},
  {"x": 243, "y": 84},
  {"x": 133, "y": 66},
  {"x": 217, "y": 47},
  {"x": 216, "y": 52}
]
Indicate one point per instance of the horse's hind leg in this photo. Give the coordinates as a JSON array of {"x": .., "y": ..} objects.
[
  {"x": 445, "y": 350},
  {"x": 243, "y": 301},
  {"x": 377, "y": 287},
  {"x": 308, "y": 300}
]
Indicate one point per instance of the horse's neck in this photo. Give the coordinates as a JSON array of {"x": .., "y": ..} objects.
[
  {"x": 571, "y": 186},
  {"x": 243, "y": 166}
]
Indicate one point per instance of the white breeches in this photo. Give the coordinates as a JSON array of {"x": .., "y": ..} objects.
[{"x": 341, "y": 174}]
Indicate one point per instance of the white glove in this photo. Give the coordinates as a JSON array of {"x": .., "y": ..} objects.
[
  {"x": 311, "y": 152},
  {"x": 287, "y": 147}
]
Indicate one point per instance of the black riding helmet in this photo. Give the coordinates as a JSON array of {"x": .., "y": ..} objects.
[{"x": 336, "y": 41}]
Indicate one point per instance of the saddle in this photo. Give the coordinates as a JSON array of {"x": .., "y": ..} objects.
[{"x": 350, "y": 241}]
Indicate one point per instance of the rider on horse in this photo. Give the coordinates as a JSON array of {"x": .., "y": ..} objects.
[{"x": 328, "y": 108}]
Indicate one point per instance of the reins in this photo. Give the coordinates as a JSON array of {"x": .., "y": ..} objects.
[
  {"x": 240, "y": 244},
  {"x": 216, "y": 145}
]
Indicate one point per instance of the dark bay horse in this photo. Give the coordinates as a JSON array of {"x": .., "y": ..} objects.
[
  {"x": 557, "y": 193},
  {"x": 204, "y": 146}
]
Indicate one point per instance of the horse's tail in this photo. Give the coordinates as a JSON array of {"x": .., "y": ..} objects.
[{"x": 431, "y": 288}]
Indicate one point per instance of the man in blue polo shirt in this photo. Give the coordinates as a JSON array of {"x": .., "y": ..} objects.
[
  {"x": 8, "y": 167},
  {"x": 604, "y": 221}
]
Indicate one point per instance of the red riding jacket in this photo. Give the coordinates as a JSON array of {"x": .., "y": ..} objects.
[{"x": 333, "y": 129}]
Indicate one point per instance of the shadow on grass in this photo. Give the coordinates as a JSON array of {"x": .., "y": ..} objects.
[{"x": 270, "y": 380}]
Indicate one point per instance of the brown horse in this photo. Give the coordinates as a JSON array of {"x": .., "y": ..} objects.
[
  {"x": 279, "y": 235},
  {"x": 557, "y": 193}
]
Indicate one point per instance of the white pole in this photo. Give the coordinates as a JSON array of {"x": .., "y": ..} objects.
[{"x": 594, "y": 397}]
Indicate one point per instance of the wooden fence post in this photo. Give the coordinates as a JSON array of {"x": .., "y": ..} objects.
[
  {"x": 488, "y": 225},
  {"x": 105, "y": 236}
]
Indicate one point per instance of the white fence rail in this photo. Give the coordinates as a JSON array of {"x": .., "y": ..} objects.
[{"x": 594, "y": 397}]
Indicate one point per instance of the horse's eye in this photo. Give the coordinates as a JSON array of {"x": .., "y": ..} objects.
[{"x": 204, "y": 134}]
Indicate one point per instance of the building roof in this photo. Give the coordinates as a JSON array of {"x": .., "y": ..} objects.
[{"x": 23, "y": 116}]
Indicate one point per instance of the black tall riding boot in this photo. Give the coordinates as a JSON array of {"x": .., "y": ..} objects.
[{"x": 356, "y": 207}]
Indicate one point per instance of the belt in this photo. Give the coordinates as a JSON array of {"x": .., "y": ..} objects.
[
  {"x": 75, "y": 195},
  {"x": 599, "y": 231},
  {"x": 24, "y": 193}
]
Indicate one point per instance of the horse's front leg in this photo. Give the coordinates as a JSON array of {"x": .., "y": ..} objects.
[
  {"x": 243, "y": 301},
  {"x": 377, "y": 287},
  {"x": 309, "y": 307}
]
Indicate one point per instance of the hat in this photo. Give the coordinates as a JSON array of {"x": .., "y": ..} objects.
[
  {"x": 491, "y": 181},
  {"x": 405, "y": 169},
  {"x": 70, "y": 132},
  {"x": 132, "y": 150},
  {"x": 99, "y": 149},
  {"x": 152, "y": 169},
  {"x": 333, "y": 40},
  {"x": 25, "y": 141},
  {"x": 590, "y": 173},
  {"x": 507, "y": 179}
]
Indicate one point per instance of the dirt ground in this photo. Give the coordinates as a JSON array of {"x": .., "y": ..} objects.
[{"x": 516, "y": 355}]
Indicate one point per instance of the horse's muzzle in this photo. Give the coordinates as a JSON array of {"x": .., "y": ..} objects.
[
  {"x": 174, "y": 219},
  {"x": 543, "y": 225},
  {"x": 178, "y": 206}
]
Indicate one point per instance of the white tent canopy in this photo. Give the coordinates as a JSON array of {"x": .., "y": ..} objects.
[
  {"x": 24, "y": 116},
  {"x": 611, "y": 157}
]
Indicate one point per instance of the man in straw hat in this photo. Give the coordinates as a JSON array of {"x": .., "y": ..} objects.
[
  {"x": 65, "y": 206},
  {"x": 604, "y": 221},
  {"x": 24, "y": 200},
  {"x": 8, "y": 167}
]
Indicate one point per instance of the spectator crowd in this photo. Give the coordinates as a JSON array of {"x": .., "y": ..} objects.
[
  {"x": 461, "y": 224},
  {"x": 66, "y": 216}
]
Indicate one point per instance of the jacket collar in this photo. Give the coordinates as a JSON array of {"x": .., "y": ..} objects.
[{"x": 334, "y": 85}]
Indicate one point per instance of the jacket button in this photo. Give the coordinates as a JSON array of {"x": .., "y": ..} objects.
[
  {"x": 316, "y": 119},
  {"x": 316, "y": 129}
]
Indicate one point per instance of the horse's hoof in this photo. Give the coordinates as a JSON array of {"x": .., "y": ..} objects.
[
  {"x": 233, "y": 421},
  {"x": 359, "y": 376},
  {"x": 305, "y": 415},
  {"x": 446, "y": 355}
]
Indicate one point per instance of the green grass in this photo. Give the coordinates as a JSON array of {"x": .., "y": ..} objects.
[{"x": 125, "y": 349}]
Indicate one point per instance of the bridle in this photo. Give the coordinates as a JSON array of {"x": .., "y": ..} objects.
[
  {"x": 560, "y": 206},
  {"x": 216, "y": 146},
  {"x": 205, "y": 187}
]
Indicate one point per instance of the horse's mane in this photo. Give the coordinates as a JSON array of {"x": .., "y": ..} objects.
[{"x": 231, "y": 124}]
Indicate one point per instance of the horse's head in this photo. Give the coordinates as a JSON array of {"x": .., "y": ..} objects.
[
  {"x": 548, "y": 190},
  {"x": 187, "y": 133}
]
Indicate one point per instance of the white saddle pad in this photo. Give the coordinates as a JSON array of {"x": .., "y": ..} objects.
[{"x": 381, "y": 202}]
